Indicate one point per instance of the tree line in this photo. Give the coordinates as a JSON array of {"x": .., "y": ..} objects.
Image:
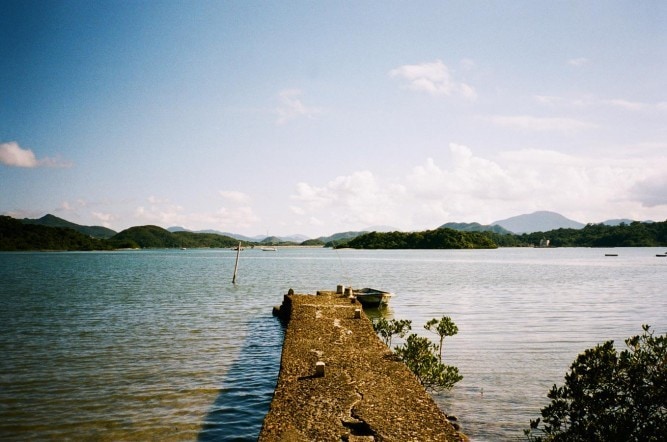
[
  {"x": 635, "y": 234},
  {"x": 17, "y": 236},
  {"x": 428, "y": 239}
]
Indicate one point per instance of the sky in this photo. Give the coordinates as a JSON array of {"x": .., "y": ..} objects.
[{"x": 312, "y": 118}]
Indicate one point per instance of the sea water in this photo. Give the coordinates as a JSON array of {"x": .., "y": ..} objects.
[{"x": 160, "y": 345}]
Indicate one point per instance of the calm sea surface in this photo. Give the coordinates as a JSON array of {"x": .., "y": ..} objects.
[{"x": 159, "y": 345}]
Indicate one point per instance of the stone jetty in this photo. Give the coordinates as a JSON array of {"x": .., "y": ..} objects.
[{"x": 339, "y": 382}]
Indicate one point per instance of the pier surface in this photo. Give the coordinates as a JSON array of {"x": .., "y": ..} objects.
[{"x": 365, "y": 394}]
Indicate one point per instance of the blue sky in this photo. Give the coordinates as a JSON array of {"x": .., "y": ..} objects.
[{"x": 319, "y": 117}]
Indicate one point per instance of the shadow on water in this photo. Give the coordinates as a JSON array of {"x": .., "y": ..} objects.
[{"x": 247, "y": 389}]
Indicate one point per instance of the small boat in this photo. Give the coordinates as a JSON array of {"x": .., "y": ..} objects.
[
  {"x": 660, "y": 255},
  {"x": 372, "y": 297},
  {"x": 236, "y": 248},
  {"x": 269, "y": 249},
  {"x": 611, "y": 254}
]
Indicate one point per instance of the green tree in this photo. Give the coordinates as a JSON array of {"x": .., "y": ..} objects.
[
  {"x": 418, "y": 354},
  {"x": 443, "y": 327},
  {"x": 610, "y": 396},
  {"x": 388, "y": 329}
]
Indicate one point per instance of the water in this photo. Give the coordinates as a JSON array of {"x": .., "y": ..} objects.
[{"x": 159, "y": 345}]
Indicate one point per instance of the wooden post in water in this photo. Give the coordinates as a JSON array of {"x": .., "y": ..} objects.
[{"x": 236, "y": 265}]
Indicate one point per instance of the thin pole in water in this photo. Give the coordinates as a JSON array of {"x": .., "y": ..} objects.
[{"x": 236, "y": 266}]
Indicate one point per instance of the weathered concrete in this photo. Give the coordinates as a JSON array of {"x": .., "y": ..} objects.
[{"x": 365, "y": 393}]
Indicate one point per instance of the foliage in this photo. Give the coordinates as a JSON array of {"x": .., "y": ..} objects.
[
  {"x": 53, "y": 221},
  {"x": 635, "y": 234},
  {"x": 610, "y": 396},
  {"x": 339, "y": 240},
  {"x": 15, "y": 235},
  {"x": 428, "y": 239},
  {"x": 388, "y": 329},
  {"x": 19, "y": 235},
  {"x": 157, "y": 237},
  {"x": 475, "y": 227},
  {"x": 443, "y": 327},
  {"x": 418, "y": 354},
  {"x": 191, "y": 239},
  {"x": 313, "y": 242}
]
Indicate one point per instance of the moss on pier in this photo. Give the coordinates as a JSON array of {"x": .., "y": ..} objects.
[{"x": 365, "y": 393}]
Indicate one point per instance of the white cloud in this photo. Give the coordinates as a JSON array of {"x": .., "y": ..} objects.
[
  {"x": 541, "y": 124},
  {"x": 357, "y": 199},
  {"x": 651, "y": 191},
  {"x": 466, "y": 187},
  {"x": 234, "y": 196},
  {"x": 578, "y": 62},
  {"x": 588, "y": 101},
  {"x": 291, "y": 107},
  {"x": 549, "y": 100},
  {"x": 627, "y": 105},
  {"x": 467, "y": 64},
  {"x": 163, "y": 212},
  {"x": 104, "y": 218},
  {"x": 433, "y": 78},
  {"x": 297, "y": 210},
  {"x": 11, "y": 154}
]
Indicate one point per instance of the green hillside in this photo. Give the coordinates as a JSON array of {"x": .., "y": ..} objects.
[
  {"x": 53, "y": 221},
  {"x": 154, "y": 237},
  {"x": 16, "y": 235},
  {"x": 475, "y": 227}
]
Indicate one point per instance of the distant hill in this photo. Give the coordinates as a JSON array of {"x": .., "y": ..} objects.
[
  {"x": 257, "y": 238},
  {"x": 617, "y": 222},
  {"x": 339, "y": 238},
  {"x": 157, "y": 237},
  {"x": 475, "y": 227},
  {"x": 18, "y": 235},
  {"x": 53, "y": 221},
  {"x": 174, "y": 229},
  {"x": 275, "y": 240},
  {"x": 538, "y": 222},
  {"x": 380, "y": 229}
]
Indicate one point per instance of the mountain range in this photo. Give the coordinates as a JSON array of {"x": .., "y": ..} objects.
[
  {"x": 49, "y": 220},
  {"x": 53, "y": 233},
  {"x": 540, "y": 221}
]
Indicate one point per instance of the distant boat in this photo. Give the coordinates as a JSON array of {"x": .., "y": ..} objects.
[
  {"x": 611, "y": 254},
  {"x": 372, "y": 297},
  {"x": 660, "y": 255},
  {"x": 269, "y": 249},
  {"x": 237, "y": 248}
]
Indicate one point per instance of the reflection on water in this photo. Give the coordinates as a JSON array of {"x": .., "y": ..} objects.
[{"x": 160, "y": 344}]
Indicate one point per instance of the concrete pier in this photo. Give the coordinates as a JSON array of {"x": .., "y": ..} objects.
[{"x": 339, "y": 382}]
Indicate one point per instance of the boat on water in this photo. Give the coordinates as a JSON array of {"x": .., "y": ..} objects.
[
  {"x": 369, "y": 297},
  {"x": 269, "y": 249}
]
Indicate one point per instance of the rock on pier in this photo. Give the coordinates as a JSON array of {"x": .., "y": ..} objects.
[{"x": 339, "y": 381}]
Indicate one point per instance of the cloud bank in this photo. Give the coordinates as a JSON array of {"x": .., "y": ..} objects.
[
  {"x": 13, "y": 155},
  {"x": 467, "y": 187}
]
